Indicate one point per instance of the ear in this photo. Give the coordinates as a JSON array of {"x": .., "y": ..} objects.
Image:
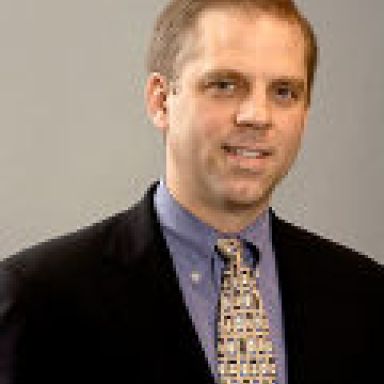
[{"x": 156, "y": 100}]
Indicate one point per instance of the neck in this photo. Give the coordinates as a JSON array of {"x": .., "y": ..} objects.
[
  {"x": 229, "y": 221},
  {"x": 224, "y": 217}
]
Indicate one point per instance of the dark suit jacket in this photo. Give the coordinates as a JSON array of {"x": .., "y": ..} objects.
[{"x": 103, "y": 305}]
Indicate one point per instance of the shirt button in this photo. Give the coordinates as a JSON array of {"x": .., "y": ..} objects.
[{"x": 196, "y": 277}]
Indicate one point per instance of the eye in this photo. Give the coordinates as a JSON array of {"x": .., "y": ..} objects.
[
  {"x": 285, "y": 92},
  {"x": 222, "y": 85}
]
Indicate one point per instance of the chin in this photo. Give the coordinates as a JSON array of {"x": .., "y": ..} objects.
[
  {"x": 247, "y": 202},
  {"x": 246, "y": 196}
]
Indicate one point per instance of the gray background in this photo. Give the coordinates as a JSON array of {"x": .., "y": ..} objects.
[{"x": 76, "y": 146}]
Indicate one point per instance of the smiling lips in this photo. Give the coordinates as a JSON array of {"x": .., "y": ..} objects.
[{"x": 247, "y": 152}]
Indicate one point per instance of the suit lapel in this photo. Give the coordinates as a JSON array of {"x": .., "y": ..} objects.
[
  {"x": 176, "y": 352},
  {"x": 292, "y": 301},
  {"x": 308, "y": 297}
]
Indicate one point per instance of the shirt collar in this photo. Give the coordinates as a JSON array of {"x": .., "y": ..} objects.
[
  {"x": 200, "y": 236},
  {"x": 184, "y": 225}
]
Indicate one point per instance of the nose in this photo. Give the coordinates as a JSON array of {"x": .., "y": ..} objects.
[{"x": 254, "y": 111}]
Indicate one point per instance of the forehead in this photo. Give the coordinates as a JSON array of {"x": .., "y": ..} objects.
[{"x": 251, "y": 42}]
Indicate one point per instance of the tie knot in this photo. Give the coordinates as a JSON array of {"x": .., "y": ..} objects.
[{"x": 229, "y": 249}]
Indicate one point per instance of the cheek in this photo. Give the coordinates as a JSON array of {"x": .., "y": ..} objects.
[
  {"x": 292, "y": 142},
  {"x": 290, "y": 135},
  {"x": 188, "y": 135},
  {"x": 214, "y": 121},
  {"x": 206, "y": 128},
  {"x": 292, "y": 126},
  {"x": 198, "y": 127}
]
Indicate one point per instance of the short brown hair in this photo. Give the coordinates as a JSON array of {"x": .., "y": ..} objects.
[{"x": 180, "y": 17}]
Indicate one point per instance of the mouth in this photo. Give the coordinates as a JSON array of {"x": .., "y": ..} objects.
[{"x": 247, "y": 152}]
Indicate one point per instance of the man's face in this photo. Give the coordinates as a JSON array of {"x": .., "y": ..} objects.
[{"x": 234, "y": 122}]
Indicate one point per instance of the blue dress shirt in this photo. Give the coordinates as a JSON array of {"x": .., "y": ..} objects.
[{"x": 198, "y": 267}]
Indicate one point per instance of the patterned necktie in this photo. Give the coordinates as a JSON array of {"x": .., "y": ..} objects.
[{"x": 244, "y": 347}]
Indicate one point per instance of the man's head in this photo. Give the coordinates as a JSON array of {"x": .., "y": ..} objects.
[
  {"x": 232, "y": 105},
  {"x": 179, "y": 19}
]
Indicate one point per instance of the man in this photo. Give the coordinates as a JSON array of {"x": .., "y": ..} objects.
[{"x": 139, "y": 297}]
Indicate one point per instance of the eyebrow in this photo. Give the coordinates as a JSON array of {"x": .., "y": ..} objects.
[
  {"x": 223, "y": 73},
  {"x": 297, "y": 82},
  {"x": 290, "y": 79}
]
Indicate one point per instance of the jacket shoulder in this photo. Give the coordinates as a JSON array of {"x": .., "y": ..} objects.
[
  {"x": 323, "y": 253},
  {"x": 122, "y": 235}
]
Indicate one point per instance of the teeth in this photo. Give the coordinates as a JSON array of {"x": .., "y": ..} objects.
[{"x": 248, "y": 153}]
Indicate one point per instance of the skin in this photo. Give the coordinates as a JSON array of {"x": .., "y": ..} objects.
[{"x": 234, "y": 119}]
